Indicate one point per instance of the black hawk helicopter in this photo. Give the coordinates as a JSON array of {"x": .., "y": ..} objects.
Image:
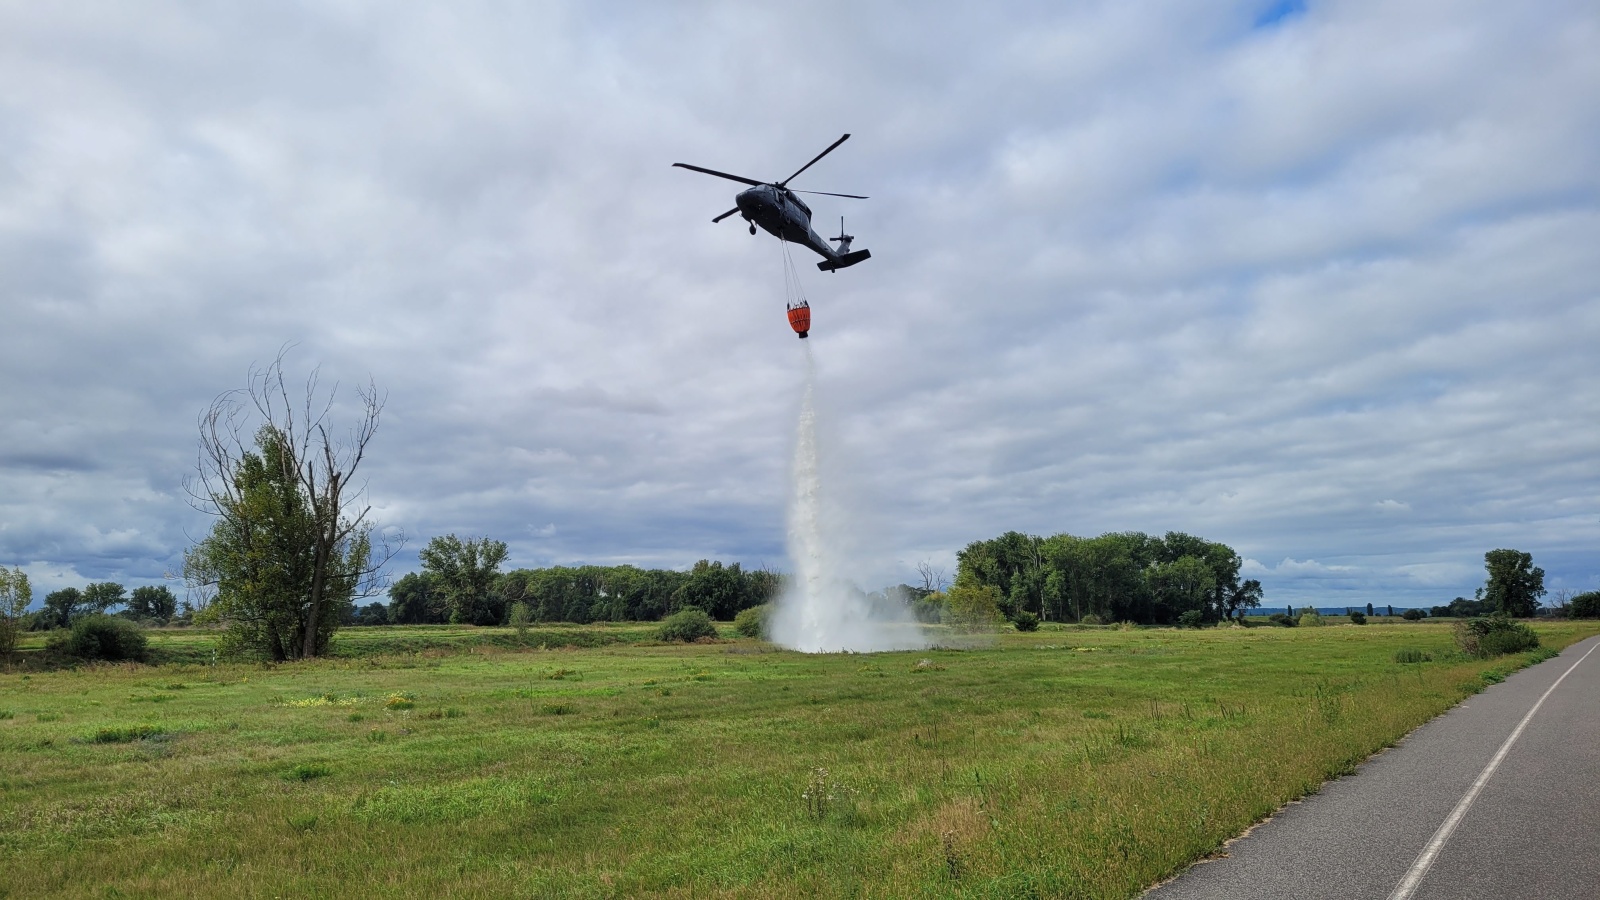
[{"x": 774, "y": 207}]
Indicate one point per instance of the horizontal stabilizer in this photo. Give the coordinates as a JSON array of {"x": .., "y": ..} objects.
[{"x": 845, "y": 261}]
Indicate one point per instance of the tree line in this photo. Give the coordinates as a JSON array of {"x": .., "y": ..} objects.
[
  {"x": 1125, "y": 576},
  {"x": 461, "y": 583},
  {"x": 152, "y": 605}
]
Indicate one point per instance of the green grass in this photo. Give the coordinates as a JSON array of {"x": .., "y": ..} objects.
[{"x": 1066, "y": 762}]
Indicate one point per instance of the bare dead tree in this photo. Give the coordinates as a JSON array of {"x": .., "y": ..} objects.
[
  {"x": 933, "y": 580},
  {"x": 309, "y": 453}
]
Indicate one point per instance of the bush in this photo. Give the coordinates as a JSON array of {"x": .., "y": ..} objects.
[
  {"x": 1360, "y": 618},
  {"x": 1585, "y": 606},
  {"x": 1488, "y": 636},
  {"x": 307, "y": 772},
  {"x": 1411, "y": 655},
  {"x": 112, "y": 734},
  {"x": 1091, "y": 619},
  {"x": 1414, "y": 615},
  {"x": 1310, "y": 619},
  {"x": 1193, "y": 618},
  {"x": 1281, "y": 620},
  {"x": 752, "y": 622},
  {"x": 973, "y": 608},
  {"x": 1026, "y": 621},
  {"x": 101, "y": 637},
  {"x": 1512, "y": 640},
  {"x": 689, "y": 624},
  {"x": 518, "y": 617}
]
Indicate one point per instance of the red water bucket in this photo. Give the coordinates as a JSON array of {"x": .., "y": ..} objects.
[{"x": 800, "y": 318}]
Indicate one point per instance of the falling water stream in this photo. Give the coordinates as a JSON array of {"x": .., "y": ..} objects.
[{"x": 822, "y": 612}]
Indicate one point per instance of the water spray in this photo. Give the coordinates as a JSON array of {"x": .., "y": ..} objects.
[{"x": 821, "y": 611}]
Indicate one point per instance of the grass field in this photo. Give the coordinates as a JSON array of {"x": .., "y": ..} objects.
[{"x": 1065, "y": 763}]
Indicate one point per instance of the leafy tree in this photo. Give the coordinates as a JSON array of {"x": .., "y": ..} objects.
[
  {"x": 15, "y": 596},
  {"x": 1414, "y": 615},
  {"x": 413, "y": 600},
  {"x": 1585, "y": 606},
  {"x": 1242, "y": 597},
  {"x": 1462, "y": 608},
  {"x": 103, "y": 595},
  {"x": 713, "y": 587},
  {"x": 61, "y": 607},
  {"x": 973, "y": 607},
  {"x": 155, "y": 602},
  {"x": 1515, "y": 584},
  {"x": 372, "y": 614},
  {"x": 1369, "y": 609},
  {"x": 464, "y": 572},
  {"x": 273, "y": 581},
  {"x": 292, "y": 544},
  {"x": 1183, "y": 585}
]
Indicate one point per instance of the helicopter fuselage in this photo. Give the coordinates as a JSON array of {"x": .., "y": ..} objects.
[{"x": 780, "y": 213}]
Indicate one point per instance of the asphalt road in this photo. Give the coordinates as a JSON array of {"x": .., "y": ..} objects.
[{"x": 1532, "y": 828}]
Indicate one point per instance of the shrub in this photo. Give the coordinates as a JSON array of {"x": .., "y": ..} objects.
[
  {"x": 1512, "y": 640},
  {"x": 1310, "y": 619},
  {"x": 689, "y": 624},
  {"x": 1414, "y": 615},
  {"x": 1091, "y": 619},
  {"x": 1411, "y": 655},
  {"x": 1281, "y": 620},
  {"x": 124, "y": 735},
  {"x": 1488, "y": 636},
  {"x": 1026, "y": 621},
  {"x": 101, "y": 637},
  {"x": 1360, "y": 618},
  {"x": 307, "y": 772},
  {"x": 973, "y": 608},
  {"x": 1193, "y": 618},
  {"x": 518, "y": 618},
  {"x": 752, "y": 622},
  {"x": 1585, "y": 606}
]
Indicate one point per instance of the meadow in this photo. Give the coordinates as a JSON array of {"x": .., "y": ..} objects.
[{"x": 594, "y": 762}]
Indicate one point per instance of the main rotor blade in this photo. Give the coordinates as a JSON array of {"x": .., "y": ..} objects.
[
  {"x": 827, "y": 194},
  {"x": 814, "y": 161},
  {"x": 720, "y": 174},
  {"x": 724, "y": 215}
]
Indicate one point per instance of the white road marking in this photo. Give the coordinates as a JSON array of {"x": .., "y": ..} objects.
[{"x": 1413, "y": 879}]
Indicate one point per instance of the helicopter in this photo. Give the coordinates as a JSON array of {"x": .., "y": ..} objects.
[{"x": 774, "y": 207}]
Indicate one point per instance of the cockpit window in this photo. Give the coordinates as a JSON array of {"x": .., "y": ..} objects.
[{"x": 789, "y": 196}]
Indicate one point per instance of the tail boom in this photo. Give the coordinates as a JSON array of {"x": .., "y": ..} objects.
[{"x": 844, "y": 260}]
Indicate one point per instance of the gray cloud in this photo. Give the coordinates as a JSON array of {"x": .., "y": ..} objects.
[{"x": 1320, "y": 287}]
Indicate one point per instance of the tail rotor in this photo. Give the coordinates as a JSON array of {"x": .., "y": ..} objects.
[{"x": 843, "y": 239}]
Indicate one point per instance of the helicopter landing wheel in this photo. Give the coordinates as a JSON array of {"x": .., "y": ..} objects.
[{"x": 752, "y": 228}]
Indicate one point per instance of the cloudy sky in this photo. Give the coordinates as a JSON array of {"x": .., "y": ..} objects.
[{"x": 1319, "y": 280}]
